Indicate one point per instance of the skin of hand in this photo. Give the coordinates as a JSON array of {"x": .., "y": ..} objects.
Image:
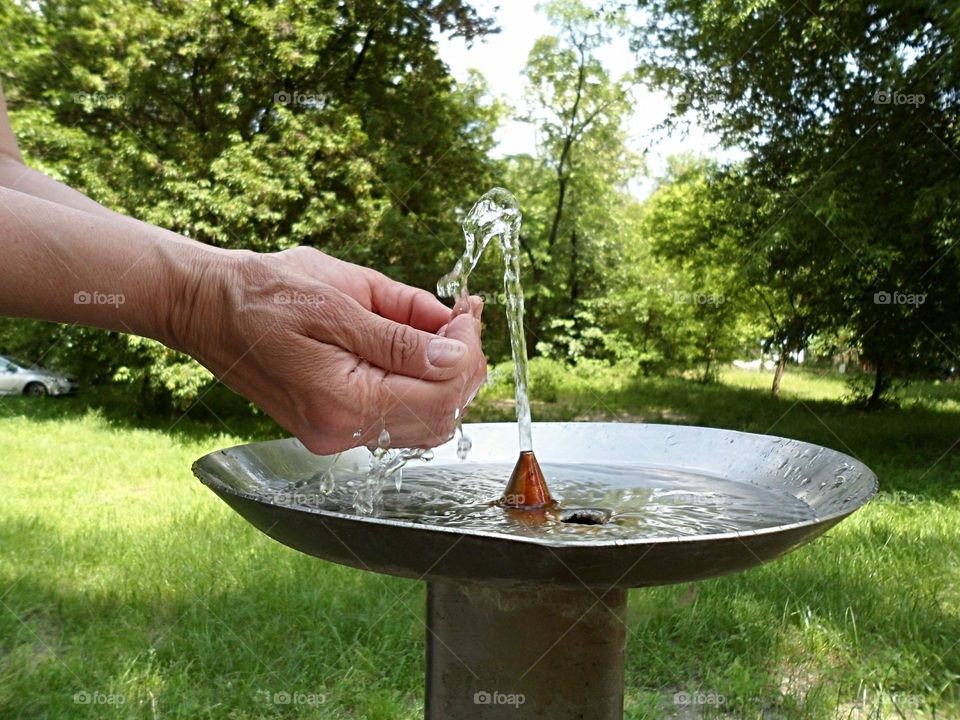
[
  {"x": 325, "y": 347},
  {"x": 336, "y": 352}
]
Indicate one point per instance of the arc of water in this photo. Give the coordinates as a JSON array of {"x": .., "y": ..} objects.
[{"x": 496, "y": 215}]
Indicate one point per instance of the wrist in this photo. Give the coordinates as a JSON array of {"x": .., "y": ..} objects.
[{"x": 199, "y": 282}]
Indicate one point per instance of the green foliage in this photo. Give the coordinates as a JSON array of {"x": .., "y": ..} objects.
[
  {"x": 264, "y": 125},
  {"x": 574, "y": 193},
  {"x": 849, "y": 111}
]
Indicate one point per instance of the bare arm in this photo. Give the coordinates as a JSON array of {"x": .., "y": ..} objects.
[
  {"x": 325, "y": 347},
  {"x": 16, "y": 175}
]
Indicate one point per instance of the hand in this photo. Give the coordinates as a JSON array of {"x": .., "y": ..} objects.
[{"x": 334, "y": 352}]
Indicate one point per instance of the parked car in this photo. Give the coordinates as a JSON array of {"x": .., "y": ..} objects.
[{"x": 18, "y": 378}]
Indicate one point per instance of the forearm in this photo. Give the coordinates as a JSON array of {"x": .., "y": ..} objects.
[
  {"x": 103, "y": 270},
  {"x": 14, "y": 175}
]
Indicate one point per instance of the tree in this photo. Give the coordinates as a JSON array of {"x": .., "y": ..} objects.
[
  {"x": 696, "y": 229},
  {"x": 849, "y": 111},
  {"x": 253, "y": 125},
  {"x": 577, "y": 184}
]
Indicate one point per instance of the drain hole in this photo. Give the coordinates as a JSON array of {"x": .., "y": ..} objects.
[{"x": 585, "y": 516}]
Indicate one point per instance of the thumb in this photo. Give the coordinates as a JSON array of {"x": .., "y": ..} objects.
[{"x": 400, "y": 348}]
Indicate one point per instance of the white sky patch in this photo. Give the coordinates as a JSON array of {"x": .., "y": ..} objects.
[{"x": 501, "y": 59}]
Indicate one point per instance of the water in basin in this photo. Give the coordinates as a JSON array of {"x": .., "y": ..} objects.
[{"x": 620, "y": 501}]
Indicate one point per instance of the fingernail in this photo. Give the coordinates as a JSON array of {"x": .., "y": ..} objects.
[{"x": 443, "y": 352}]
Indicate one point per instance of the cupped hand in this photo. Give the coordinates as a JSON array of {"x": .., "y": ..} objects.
[{"x": 333, "y": 351}]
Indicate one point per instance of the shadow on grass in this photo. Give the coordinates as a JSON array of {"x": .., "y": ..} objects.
[
  {"x": 218, "y": 412},
  {"x": 814, "y": 629},
  {"x": 198, "y": 634}
]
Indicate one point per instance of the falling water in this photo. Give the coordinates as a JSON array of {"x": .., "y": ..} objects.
[
  {"x": 385, "y": 463},
  {"x": 496, "y": 215}
]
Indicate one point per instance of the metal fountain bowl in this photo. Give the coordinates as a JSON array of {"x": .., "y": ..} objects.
[
  {"x": 523, "y": 626},
  {"x": 244, "y": 475}
]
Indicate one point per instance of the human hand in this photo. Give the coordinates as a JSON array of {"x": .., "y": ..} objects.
[{"x": 330, "y": 349}]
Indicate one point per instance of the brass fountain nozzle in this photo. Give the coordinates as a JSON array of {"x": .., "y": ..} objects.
[{"x": 527, "y": 488}]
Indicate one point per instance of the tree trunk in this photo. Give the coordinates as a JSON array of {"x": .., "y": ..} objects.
[
  {"x": 564, "y": 155},
  {"x": 574, "y": 261},
  {"x": 361, "y": 56},
  {"x": 558, "y": 211},
  {"x": 778, "y": 373}
]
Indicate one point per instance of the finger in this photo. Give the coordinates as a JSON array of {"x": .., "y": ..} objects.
[
  {"x": 390, "y": 346},
  {"x": 405, "y": 304},
  {"x": 422, "y": 414},
  {"x": 466, "y": 328}
]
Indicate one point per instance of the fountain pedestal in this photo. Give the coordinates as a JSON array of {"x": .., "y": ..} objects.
[{"x": 524, "y": 651}]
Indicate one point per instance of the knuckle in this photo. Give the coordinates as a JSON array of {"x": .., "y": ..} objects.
[
  {"x": 299, "y": 252},
  {"x": 403, "y": 345}
]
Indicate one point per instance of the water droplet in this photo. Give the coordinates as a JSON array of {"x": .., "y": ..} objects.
[
  {"x": 328, "y": 481},
  {"x": 363, "y": 502},
  {"x": 463, "y": 446},
  {"x": 383, "y": 441}
]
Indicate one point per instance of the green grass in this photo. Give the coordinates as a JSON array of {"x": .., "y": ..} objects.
[{"x": 122, "y": 577}]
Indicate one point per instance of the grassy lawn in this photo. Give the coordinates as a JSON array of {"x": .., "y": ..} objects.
[{"x": 129, "y": 590}]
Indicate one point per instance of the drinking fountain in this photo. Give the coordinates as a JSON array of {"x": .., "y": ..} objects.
[{"x": 526, "y": 611}]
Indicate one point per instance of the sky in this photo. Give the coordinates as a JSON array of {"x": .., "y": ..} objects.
[{"x": 501, "y": 58}]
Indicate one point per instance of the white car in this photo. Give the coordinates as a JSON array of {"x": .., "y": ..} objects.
[{"x": 21, "y": 379}]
